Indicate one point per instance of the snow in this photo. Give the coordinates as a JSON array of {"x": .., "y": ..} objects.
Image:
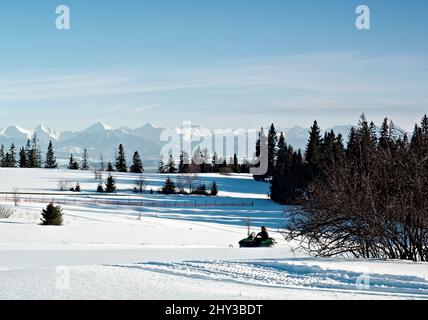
[{"x": 173, "y": 251}]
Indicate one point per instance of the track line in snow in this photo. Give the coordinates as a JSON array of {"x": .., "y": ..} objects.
[{"x": 282, "y": 274}]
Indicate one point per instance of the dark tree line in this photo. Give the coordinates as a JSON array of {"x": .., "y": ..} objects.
[
  {"x": 29, "y": 156},
  {"x": 170, "y": 187},
  {"x": 202, "y": 162},
  {"x": 368, "y": 199},
  {"x": 120, "y": 164}
]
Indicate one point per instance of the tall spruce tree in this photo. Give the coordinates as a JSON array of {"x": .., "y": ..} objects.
[
  {"x": 121, "y": 160},
  {"x": 161, "y": 165},
  {"x": 10, "y": 158},
  {"x": 281, "y": 156},
  {"x": 110, "y": 184},
  {"x": 50, "y": 162},
  {"x": 36, "y": 156},
  {"x": 214, "y": 189},
  {"x": 171, "y": 165},
  {"x": 312, "y": 155},
  {"x": 137, "y": 164},
  {"x": 2, "y": 156},
  {"x": 85, "y": 165},
  {"x": 184, "y": 163},
  {"x": 22, "y": 158},
  {"x": 73, "y": 164},
  {"x": 272, "y": 144}
]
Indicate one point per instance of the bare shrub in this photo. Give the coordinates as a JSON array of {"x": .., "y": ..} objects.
[
  {"x": 140, "y": 185},
  {"x": 64, "y": 185},
  {"x": 5, "y": 212},
  {"x": 379, "y": 212}
]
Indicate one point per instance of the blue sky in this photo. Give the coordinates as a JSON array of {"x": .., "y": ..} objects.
[{"x": 222, "y": 64}]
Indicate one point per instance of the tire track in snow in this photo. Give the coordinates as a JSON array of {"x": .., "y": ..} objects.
[{"x": 282, "y": 274}]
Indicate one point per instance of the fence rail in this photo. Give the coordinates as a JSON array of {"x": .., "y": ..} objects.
[{"x": 115, "y": 200}]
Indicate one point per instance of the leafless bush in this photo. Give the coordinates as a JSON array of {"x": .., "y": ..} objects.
[
  {"x": 381, "y": 212},
  {"x": 98, "y": 174},
  {"x": 140, "y": 185},
  {"x": 64, "y": 185},
  {"x": 5, "y": 212},
  {"x": 190, "y": 179}
]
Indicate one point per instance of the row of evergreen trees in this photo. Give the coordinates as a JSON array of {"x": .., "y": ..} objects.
[
  {"x": 202, "y": 162},
  {"x": 170, "y": 187},
  {"x": 120, "y": 162},
  {"x": 29, "y": 156}
]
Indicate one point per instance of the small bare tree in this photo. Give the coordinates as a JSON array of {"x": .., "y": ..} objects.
[
  {"x": 140, "y": 185},
  {"x": 98, "y": 174},
  {"x": 191, "y": 176},
  {"x": 64, "y": 185},
  {"x": 16, "y": 197}
]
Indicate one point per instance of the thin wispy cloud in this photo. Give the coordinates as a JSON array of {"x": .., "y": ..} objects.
[
  {"x": 346, "y": 81},
  {"x": 330, "y": 73}
]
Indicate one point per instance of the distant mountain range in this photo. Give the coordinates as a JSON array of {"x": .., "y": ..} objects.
[{"x": 103, "y": 139}]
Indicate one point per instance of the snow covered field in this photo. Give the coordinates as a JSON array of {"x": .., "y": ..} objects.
[{"x": 183, "y": 247}]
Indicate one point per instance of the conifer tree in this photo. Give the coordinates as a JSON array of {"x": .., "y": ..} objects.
[
  {"x": 100, "y": 188},
  {"x": 161, "y": 165},
  {"x": 110, "y": 167},
  {"x": 23, "y": 158},
  {"x": 272, "y": 142},
  {"x": 170, "y": 167},
  {"x": 52, "y": 216},
  {"x": 121, "y": 160},
  {"x": 10, "y": 157},
  {"x": 110, "y": 184},
  {"x": 2, "y": 156},
  {"x": 137, "y": 164},
  {"x": 85, "y": 165},
  {"x": 312, "y": 154},
  {"x": 201, "y": 190},
  {"x": 281, "y": 156},
  {"x": 50, "y": 162},
  {"x": 36, "y": 153},
  {"x": 184, "y": 163},
  {"x": 214, "y": 189},
  {"x": 169, "y": 187},
  {"x": 72, "y": 164}
]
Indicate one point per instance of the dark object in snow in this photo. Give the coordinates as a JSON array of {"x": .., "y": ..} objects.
[{"x": 253, "y": 242}]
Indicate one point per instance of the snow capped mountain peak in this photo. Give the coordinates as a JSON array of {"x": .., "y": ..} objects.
[
  {"x": 148, "y": 125},
  {"x": 98, "y": 127},
  {"x": 16, "y": 132},
  {"x": 47, "y": 133}
]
